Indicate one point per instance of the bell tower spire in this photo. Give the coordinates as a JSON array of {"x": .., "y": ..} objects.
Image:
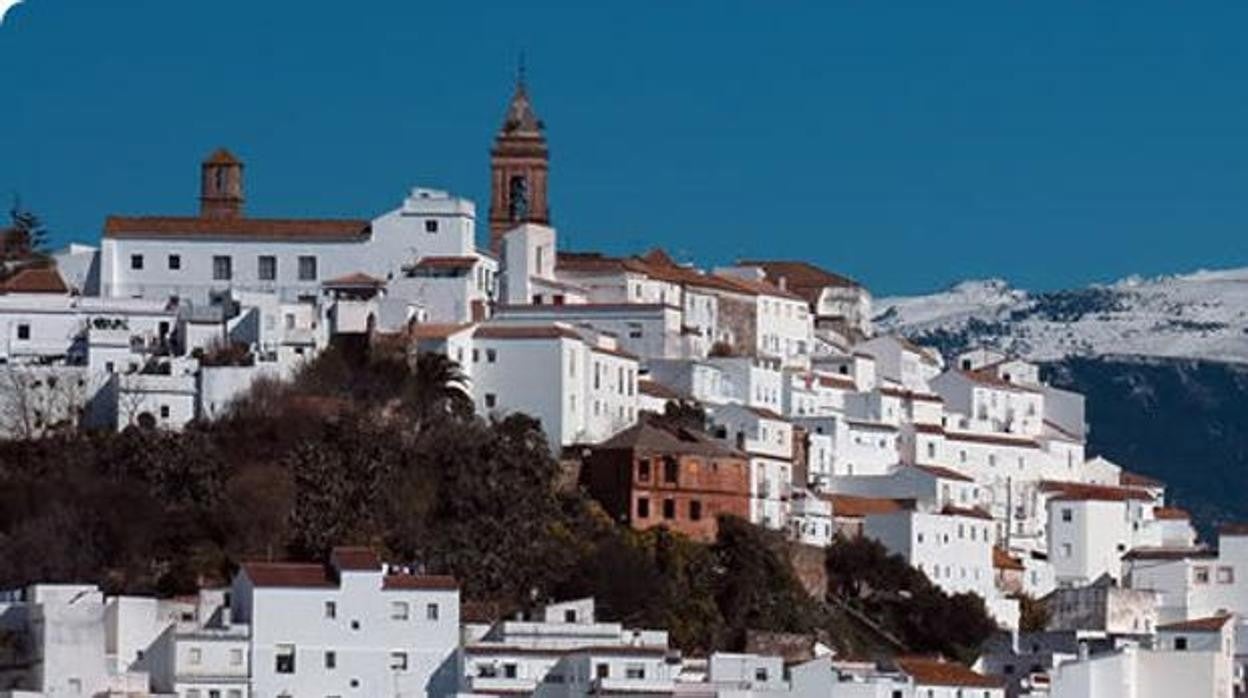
[{"x": 519, "y": 166}]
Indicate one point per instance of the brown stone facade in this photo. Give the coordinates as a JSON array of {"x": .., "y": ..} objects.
[
  {"x": 519, "y": 170},
  {"x": 738, "y": 317},
  {"x": 643, "y": 486}
]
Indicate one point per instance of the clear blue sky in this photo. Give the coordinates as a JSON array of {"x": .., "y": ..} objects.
[{"x": 1050, "y": 143}]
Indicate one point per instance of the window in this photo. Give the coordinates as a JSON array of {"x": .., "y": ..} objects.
[
  {"x": 1067, "y": 551},
  {"x": 1067, "y": 514},
  {"x": 136, "y": 261},
  {"x": 285, "y": 659},
  {"x": 267, "y": 268},
  {"x": 491, "y": 355},
  {"x": 643, "y": 471},
  {"x": 222, "y": 268},
  {"x": 195, "y": 655},
  {"x": 603, "y": 671},
  {"x": 476, "y": 355},
  {"x": 331, "y": 609},
  {"x": 431, "y": 226},
  {"x": 634, "y": 671},
  {"x": 331, "y": 660},
  {"x": 569, "y": 615},
  {"x": 236, "y": 657},
  {"x": 398, "y": 661},
  {"x": 1180, "y": 644},
  {"x": 164, "y": 412},
  {"x": 671, "y": 469},
  {"x": 431, "y": 611},
  {"x": 1226, "y": 575},
  {"x": 695, "y": 510},
  {"x": 509, "y": 671},
  {"x": 23, "y": 331},
  {"x": 398, "y": 610},
  {"x": 490, "y": 400},
  {"x": 760, "y": 674},
  {"x": 1201, "y": 575},
  {"x": 175, "y": 262},
  {"x": 307, "y": 268},
  {"x": 643, "y": 508},
  {"x": 669, "y": 508}
]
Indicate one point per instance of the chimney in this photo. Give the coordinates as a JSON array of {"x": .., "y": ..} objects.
[{"x": 221, "y": 186}]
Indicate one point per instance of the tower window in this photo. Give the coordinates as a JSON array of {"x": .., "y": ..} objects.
[
  {"x": 518, "y": 198},
  {"x": 219, "y": 180},
  {"x": 222, "y": 268}
]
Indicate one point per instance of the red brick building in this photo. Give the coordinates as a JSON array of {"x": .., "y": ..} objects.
[{"x": 651, "y": 475}]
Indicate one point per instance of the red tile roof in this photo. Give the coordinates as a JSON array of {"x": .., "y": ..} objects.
[
  {"x": 1208, "y": 625},
  {"x": 1171, "y": 514},
  {"x": 358, "y": 278},
  {"x": 35, "y": 280},
  {"x": 928, "y": 671},
  {"x": 436, "y": 330},
  {"x": 1002, "y": 560},
  {"x": 749, "y": 287},
  {"x": 651, "y": 437},
  {"x": 943, "y": 472},
  {"x": 313, "y": 230},
  {"x": 446, "y": 263},
  {"x": 419, "y": 582},
  {"x": 222, "y": 156},
  {"x": 1078, "y": 491},
  {"x": 969, "y": 512},
  {"x": 614, "y": 351},
  {"x": 832, "y": 380},
  {"x": 857, "y": 507},
  {"x": 355, "y": 559},
  {"x": 992, "y": 380},
  {"x": 1127, "y": 478},
  {"x": 289, "y": 574},
  {"x": 1168, "y": 553},
  {"x": 802, "y": 278},
  {"x": 867, "y": 424},
  {"x": 524, "y": 332},
  {"x": 1233, "y": 529},
  {"x": 656, "y": 389},
  {"x": 910, "y": 395},
  {"x": 997, "y": 439},
  {"x": 929, "y": 429}
]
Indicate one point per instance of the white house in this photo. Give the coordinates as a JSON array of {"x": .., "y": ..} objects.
[
  {"x": 767, "y": 438},
  {"x": 1194, "y": 582},
  {"x": 352, "y": 627}
]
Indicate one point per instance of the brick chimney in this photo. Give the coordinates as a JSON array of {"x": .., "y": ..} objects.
[{"x": 221, "y": 186}]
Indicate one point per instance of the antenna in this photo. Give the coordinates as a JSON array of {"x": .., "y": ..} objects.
[{"x": 520, "y": 69}]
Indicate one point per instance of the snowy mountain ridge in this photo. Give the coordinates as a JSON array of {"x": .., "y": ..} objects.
[{"x": 1200, "y": 315}]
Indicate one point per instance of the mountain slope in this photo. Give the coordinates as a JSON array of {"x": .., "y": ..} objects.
[{"x": 1203, "y": 315}]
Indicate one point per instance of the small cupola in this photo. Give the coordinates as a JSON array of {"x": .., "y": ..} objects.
[{"x": 221, "y": 186}]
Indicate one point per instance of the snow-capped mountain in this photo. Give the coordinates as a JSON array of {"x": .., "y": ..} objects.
[{"x": 1203, "y": 315}]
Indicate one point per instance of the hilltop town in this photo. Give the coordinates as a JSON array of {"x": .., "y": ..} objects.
[{"x": 679, "y": 400}]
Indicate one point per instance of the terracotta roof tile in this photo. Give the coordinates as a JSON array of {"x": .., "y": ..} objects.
[
  {"x": 1233, "y": 529},
  {"x": 656, "y": 389},
  {"x": 857, "y": 507},
  {"x": 289, "y": 574},
  {"x": 524, "y": 332},
  {"x": 35, "y": 280},
  {"x": 802, "y": 278},
  {"x": 222, "y": 156},
  {"x": 1168, "y": 553},
  {"x": 1127, "y": 478},
  {"x": 1171, "y": 514},
  {"x": 1002, "y": 560},
  {"x": 436, "y": 330},
  {"x": 419, "y": 582},
  {"x": 313, "y": 230},
  {"x": 446, "y": 262},
  {"x": 1210, "y": 625},
  {"x": 997, "y": 439},
  {"x": 992, "y": 380},
  {"x": 943, "y": 472},
  {"x": 358, "y": 278},
  {"x": 971, "y": 512},
  {"x": 355, "y": 559},
  {"x": 1078, "y": 491},
  {"x": 929, "y": 671},
  {"x": 650, "y": 437}
]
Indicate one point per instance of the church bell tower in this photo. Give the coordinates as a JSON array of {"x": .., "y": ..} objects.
[{"x": 519, "y": 165}]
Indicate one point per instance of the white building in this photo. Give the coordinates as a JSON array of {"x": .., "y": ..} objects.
[
  {"x": 353, "y": 627},
  {"x": 1194, "y": 582},
  {"x": 767, "y": 438}
]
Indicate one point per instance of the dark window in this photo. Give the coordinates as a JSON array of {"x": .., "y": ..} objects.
[
  {"x": 669, "y": 508},
  {"x": 491, "y": 355},
  {"x": 285, "y": 659},
  {"x": 537, "y": 299},
  {"x": 307, "y": 268},
  {"x": 643, "y": 471},
  {"x": 267, "y": 270},
  {"x": 331, "y": 660},
  {"x": 490, "y": 400},
  {"x": 431, "y": 226},
  {"x": 671, "y": 466},
  {"x": 355, "y": 625},
  {"x": 760, "y": 674},
  {"x": 222, "y": 268},
  {"x": 569, "y": 616},
  {"x": 1180, "y": 644},
  {"x": 23, "y": 331},
  {"x": 603, "y": 671},
  {"x": 557, "y": 299},
  {"x": 136, "y": 261},
  {"x": 509, "y": 671},
  {"x": 643, "y": 508},
  {"x": 695, "y": 510},
  {"x": 164, "y": 412},
  {"x": 175, "y": 261}
]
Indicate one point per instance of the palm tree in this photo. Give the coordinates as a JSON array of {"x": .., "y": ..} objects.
[{"x": 438, "y": 388}]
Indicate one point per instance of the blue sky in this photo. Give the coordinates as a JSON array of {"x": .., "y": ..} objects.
[{"x": 906, "y": 144}]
